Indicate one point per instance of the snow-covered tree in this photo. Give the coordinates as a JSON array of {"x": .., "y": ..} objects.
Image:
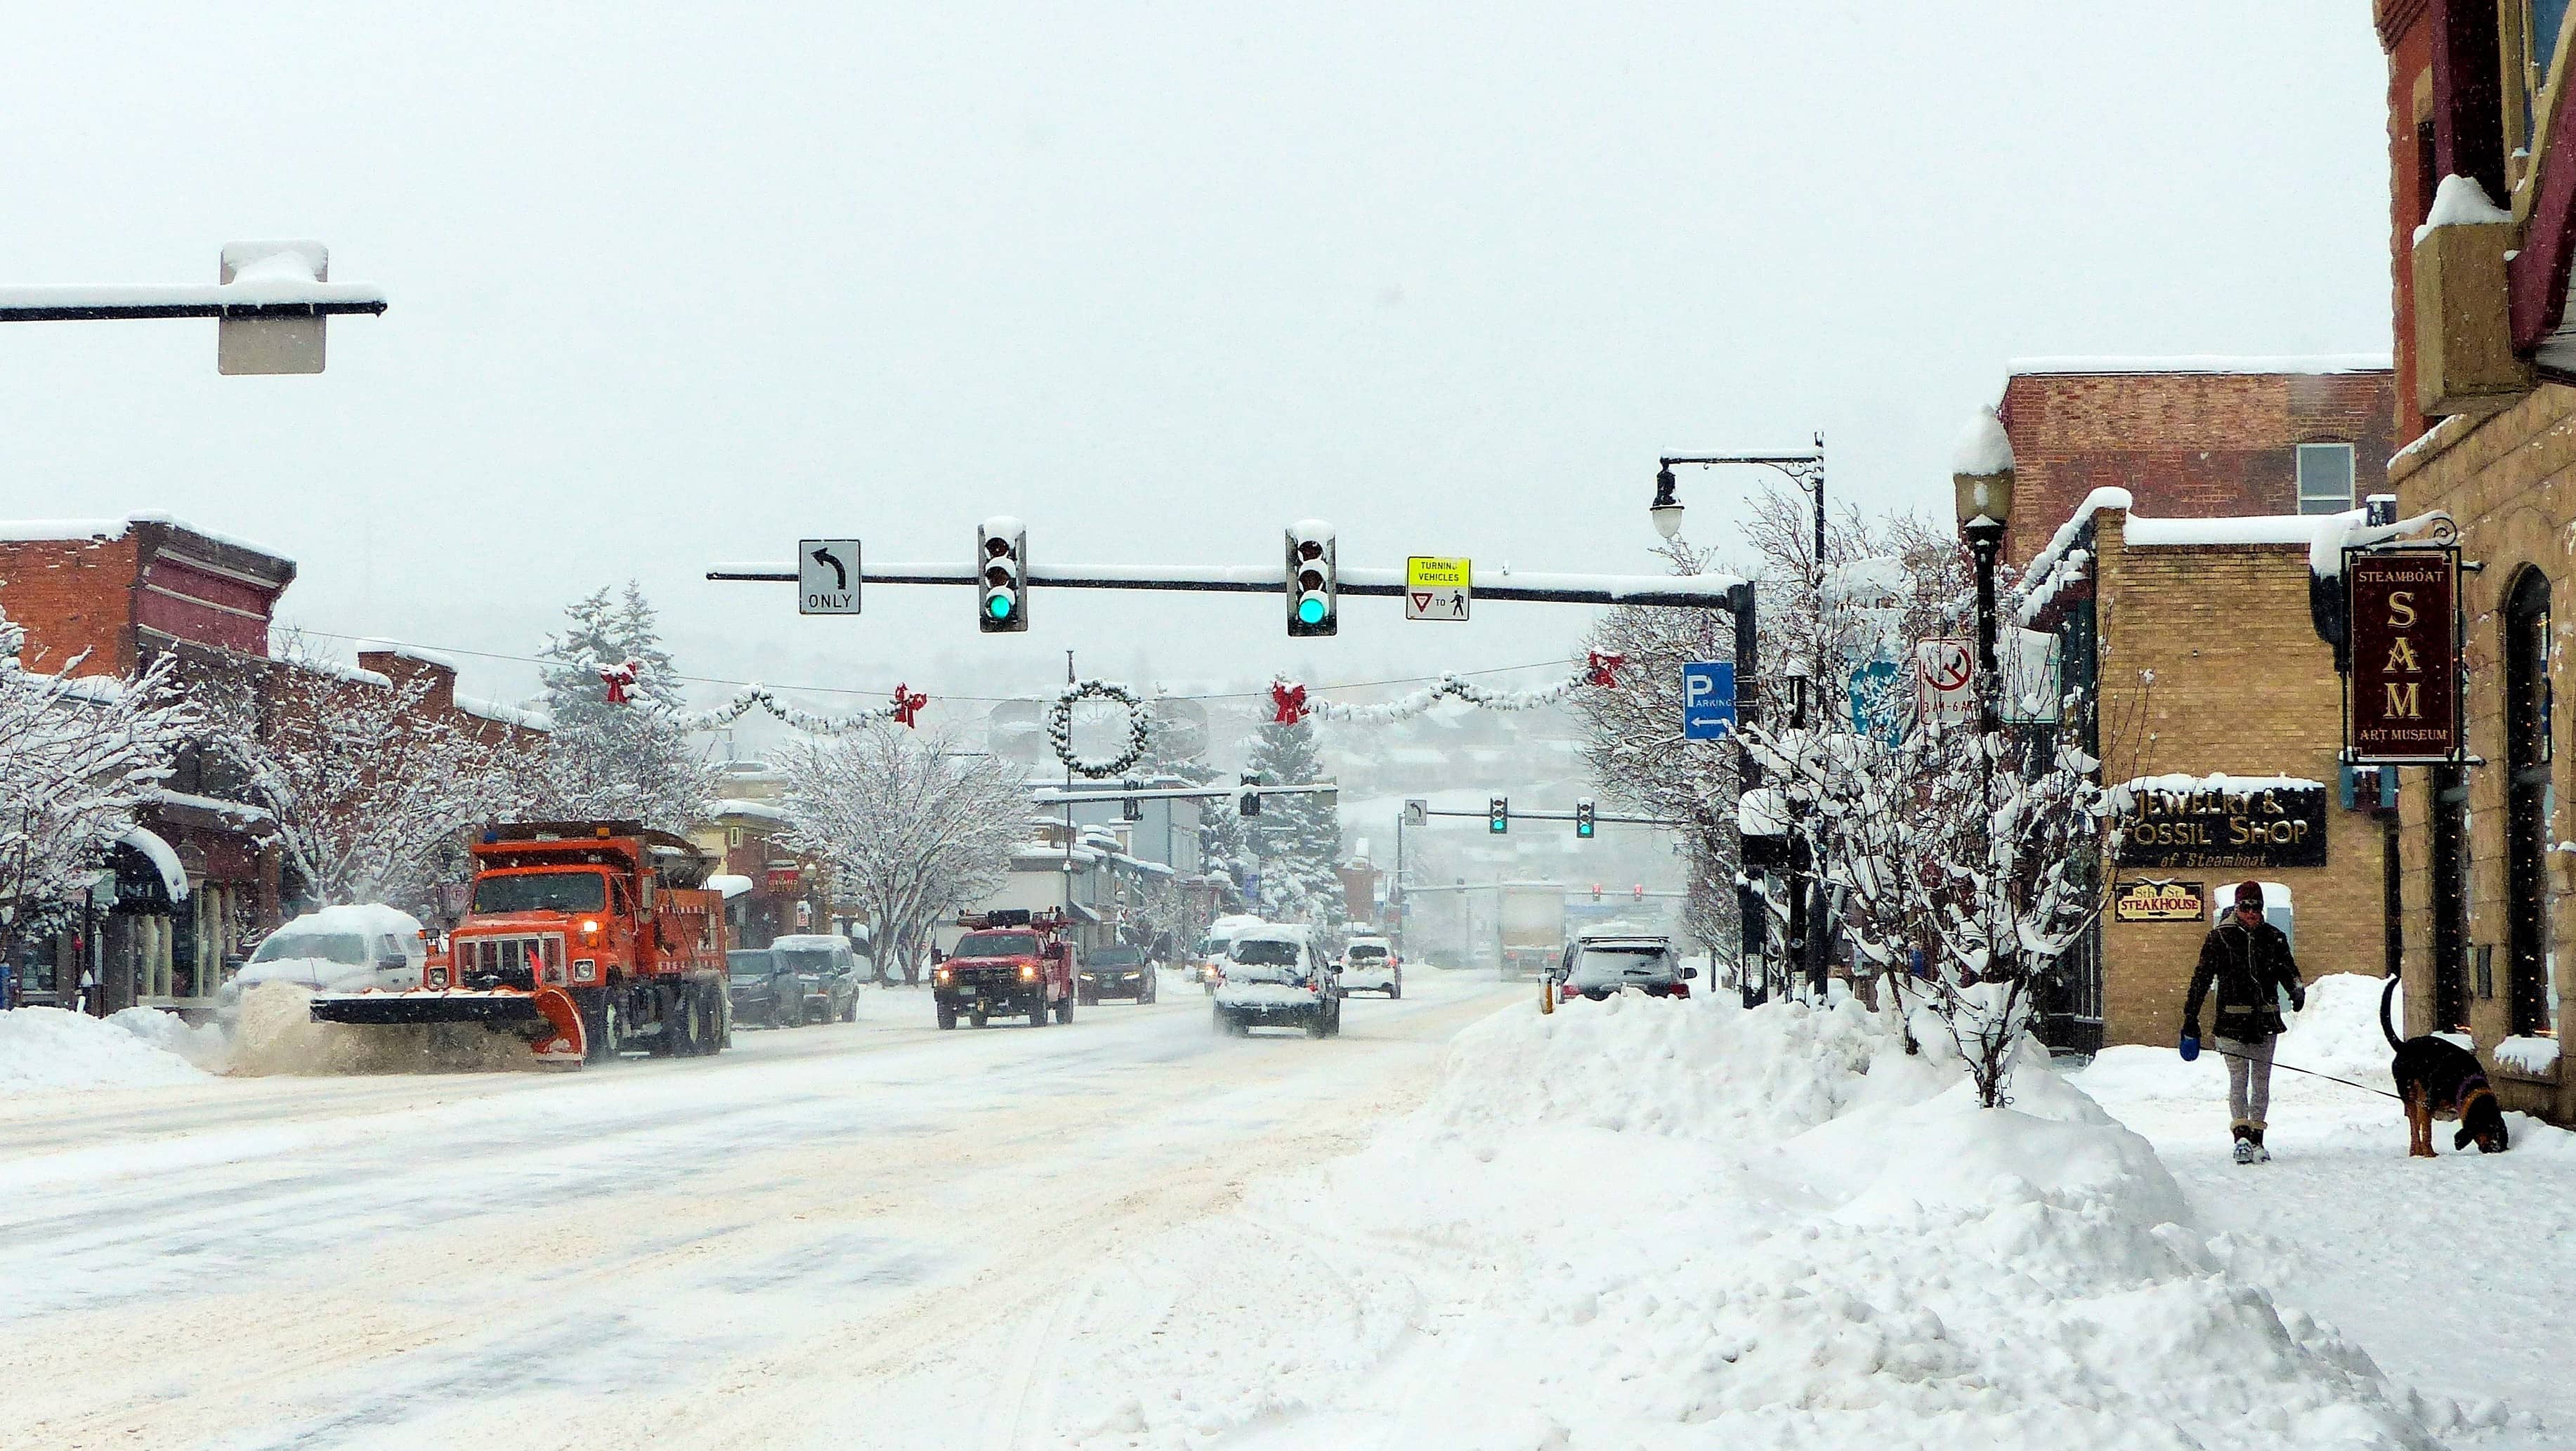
[
  {"x": 372, "y": 789},
  {"x": 913, "y": 826},
  {"x": 1297, "y": 838},
  {"x": 624, "y": 761},
  {"x": 79, "y": 756}
]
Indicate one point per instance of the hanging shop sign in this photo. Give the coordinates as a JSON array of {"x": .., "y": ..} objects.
[
  {"x": 2403, "y": 698},
  {"x": 2216, "y": 821},
  {"x": 2159, "y": 901}
]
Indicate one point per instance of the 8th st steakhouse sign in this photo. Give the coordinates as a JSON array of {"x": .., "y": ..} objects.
[{"x": 2404, "y": 699}]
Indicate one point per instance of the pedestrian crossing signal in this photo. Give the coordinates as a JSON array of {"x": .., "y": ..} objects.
[
  {"x": 1583, "y": 819},
  {"x": 1498, "y": 815}
]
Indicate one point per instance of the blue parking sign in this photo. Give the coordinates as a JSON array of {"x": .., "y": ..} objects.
[{"x": 1708, "y": 699}]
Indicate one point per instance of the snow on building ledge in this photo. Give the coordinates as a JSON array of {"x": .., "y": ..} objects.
[
  {"x": 730, "y": 884},
  {"x": 493, "y": 710},
  {"x": 2533, "y": 1057},
  {"x": 737, "y": 806},
  {"x": 25, "y": 531}
]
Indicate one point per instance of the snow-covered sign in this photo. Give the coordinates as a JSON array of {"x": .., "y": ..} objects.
[{"x": 1945, "y": 678}]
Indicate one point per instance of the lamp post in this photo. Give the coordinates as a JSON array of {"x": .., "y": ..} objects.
[
  {"x": 1981, "y": 484},
  {"x": 1807, "y": 472}
]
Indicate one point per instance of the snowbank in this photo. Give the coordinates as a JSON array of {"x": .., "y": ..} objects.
[
  {"x": 1661, "y": 1223},
  {"x": 44, "y": 1048},
  {"x": 2338, "y": 1034}
]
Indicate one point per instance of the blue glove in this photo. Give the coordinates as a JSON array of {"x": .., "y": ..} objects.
[{"x": 2190, "y": 1046}]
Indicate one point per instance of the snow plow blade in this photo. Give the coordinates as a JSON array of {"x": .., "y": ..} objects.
[{"x": 457, "y": 1006}]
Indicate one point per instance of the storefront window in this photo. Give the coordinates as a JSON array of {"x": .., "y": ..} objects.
[{"x": 2526, "y": 725}]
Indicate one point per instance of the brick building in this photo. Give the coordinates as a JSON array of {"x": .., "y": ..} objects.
[
  {"x": 2162, "y": 513},
  {"x": 199, "y": 880},
  {"x": 2220, "y": 708},
  {"x": 2482, "y": 230},
  {"x": 2193, "y": 438}
]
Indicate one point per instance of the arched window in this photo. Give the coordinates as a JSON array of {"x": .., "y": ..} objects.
[{"x": 2528, "y": 999}]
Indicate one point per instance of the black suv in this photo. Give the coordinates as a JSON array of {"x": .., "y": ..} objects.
[
  {"x": 1117, "y": 972},
  {"x": 764, "y": 989}
]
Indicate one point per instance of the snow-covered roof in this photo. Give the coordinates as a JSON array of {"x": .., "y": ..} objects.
[
  {"x": 2308, "y": 363},
  {"x": 378, "y": 646},
  {"x": 731, "y": 884},
  {"x": 174, "y": 877},
  {"x": 217, "y": 805},
  {"x": 337, "y": 671},
  {"x": 533, "y": 720},
  {"x": 738, "y": 806},
  {"x": 31, "y": 530}
]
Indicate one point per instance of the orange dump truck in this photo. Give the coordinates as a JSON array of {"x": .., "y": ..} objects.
[{"x": 586, "y": 938}]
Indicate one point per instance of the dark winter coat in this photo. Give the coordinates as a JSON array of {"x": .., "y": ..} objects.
[{"x": 2247, "y": 967}]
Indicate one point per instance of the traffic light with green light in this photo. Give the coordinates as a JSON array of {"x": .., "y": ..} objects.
[
  {"x": 1498, "y": 815},
  {"x": 1314, "y": 591},
  {"x": 1583, "y": 823},
  {"x": 1002, "y": 596}
]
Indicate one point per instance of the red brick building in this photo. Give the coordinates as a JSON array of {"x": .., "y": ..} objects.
[
  {"x": 2194, "y": 438},
  {"x": 107, "y": 597}
]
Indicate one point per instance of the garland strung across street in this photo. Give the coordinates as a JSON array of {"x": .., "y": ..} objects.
[
  {"x": 1059, "y": 724},
  {"x": 1289, "y": 703}
]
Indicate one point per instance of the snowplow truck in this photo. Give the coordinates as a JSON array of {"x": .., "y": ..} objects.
[
  {"x": 1010, "y": 962},
  {"x": 585, "y": 938}
]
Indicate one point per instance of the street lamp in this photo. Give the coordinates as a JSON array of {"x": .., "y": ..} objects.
[
  {"x": 1666, "y": 510},
  {"x": 1806, "y": 470},
  {"x": 1981, "y": 483}
]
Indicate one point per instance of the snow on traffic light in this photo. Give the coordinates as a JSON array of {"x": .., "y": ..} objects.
[
  {"x": 1002, "y": 598},
  {"x": 1314, "y": 593},
  {"x": 1249, "y": 801}
]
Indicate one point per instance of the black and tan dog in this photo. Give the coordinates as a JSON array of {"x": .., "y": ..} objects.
[{"x": 2440, "y": 1079}]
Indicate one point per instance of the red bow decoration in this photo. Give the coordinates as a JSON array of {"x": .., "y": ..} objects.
[
  {"x": 617, "y": 678},
  {"x": 1287, "y": 702},
  {"x": 907, "y": 704},
  {"x": 1603, "y": 663}
]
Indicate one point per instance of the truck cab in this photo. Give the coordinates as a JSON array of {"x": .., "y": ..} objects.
[{"x": 1009, "y": 963}]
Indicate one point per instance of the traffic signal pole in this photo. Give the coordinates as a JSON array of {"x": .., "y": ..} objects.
[{"x": 1704, "y": 591}]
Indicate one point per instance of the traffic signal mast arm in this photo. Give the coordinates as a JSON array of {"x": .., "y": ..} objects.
[
  {"x": 1517, "y": 814},
  {"x": 1707, "y": 591}
]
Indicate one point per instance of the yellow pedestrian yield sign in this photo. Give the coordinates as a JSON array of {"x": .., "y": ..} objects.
[{"x": 1437, "y": 587}]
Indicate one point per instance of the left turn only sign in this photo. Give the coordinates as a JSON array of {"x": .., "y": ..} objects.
[{"x": 827, "y": 576}]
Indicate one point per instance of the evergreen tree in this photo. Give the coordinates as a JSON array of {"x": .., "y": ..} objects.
[
  {"x": 1298, "y": 838},
  {"x": 618, "y": 761}
]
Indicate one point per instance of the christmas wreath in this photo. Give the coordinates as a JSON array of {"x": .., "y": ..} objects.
[{"x": 1059, "y": 723}]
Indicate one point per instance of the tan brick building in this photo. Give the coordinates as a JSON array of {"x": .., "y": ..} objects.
[
  {"x": 2220, "y": 702},
  {"x": 2482, "y": 232},
  {"x": 2162, "y": 513}
]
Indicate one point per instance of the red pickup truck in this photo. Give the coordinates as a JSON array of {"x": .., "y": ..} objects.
[{"x": 1009, "y": 962}]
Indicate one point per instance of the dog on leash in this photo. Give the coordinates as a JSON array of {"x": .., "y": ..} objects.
[{"x": 2440, "y": 1079}]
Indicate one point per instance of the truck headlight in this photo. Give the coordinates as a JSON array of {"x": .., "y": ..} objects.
[
  {"x": 940, "y": 977},
  {"x": 438, "y": 977},
  {"x": 1028, "y": 972}
]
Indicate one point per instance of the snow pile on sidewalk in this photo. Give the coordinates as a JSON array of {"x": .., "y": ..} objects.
[
  {"x": 201, "y": 1045},
  {"x": 2337, "y": 1034},
  {"x": 1652, "y": 1223},
  {"x": 42, "y": 1048}
]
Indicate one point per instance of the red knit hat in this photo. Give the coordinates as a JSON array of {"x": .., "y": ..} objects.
[{"x": 2249, "y": 892}]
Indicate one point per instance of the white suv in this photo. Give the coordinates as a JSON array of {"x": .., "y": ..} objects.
[
  {"x": 1274, "y": 978},
  {"x": 1369, "y": 965}
]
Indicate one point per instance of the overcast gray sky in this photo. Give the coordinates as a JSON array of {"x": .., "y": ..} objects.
[{"x": 671, "y": 287}]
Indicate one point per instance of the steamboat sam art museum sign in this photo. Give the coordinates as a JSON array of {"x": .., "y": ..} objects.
[
  {"x": 2404, "y": 695},
  {"x": 2223, "y": 821}
]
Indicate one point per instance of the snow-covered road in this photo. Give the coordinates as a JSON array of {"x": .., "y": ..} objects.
[{"x": 658, "y": 1253}]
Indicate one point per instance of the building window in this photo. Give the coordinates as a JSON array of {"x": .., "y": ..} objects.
[
  {"x": 2449, "y": 810},
  {"x": 2325, "y": 478},
  {"x": 2528, "y": 1000}
]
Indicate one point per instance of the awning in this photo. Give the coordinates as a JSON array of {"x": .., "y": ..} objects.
[
  {"x": 1082, "y": 913},
  {"x": 174, "y": 877},
  {"x": 732, "y": 886}
]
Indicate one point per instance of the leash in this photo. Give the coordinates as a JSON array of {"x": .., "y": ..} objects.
[{"x": 2312, "y": 1073}]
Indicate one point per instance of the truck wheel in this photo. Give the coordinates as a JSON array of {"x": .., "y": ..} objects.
[
  {"x": 1223, "y": 1028},
  {"x": 850, "y": 1014},
  {"x": 1315, "y": 1025},
  {"x": 1064, "y": 1010},
  {"x": 1145, "y": 994},
  {"x": 979, "y": 1020},
  {"x": 948, "y": 1018},
  {"x": 1038, "y": 1014}
]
